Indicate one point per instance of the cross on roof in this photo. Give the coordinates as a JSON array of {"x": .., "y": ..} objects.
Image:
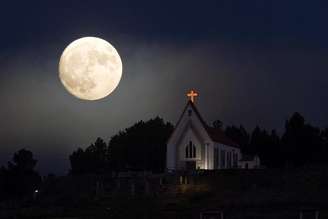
[{"x": 191, "y": 95}]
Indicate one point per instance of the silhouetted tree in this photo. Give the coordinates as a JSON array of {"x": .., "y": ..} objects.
[
  {"x": 141, "y": 146},
  {"x": 23, "y": 161},
  {"x": 217, "y": 124},
  {"x": 258, "y": 140},
  {"x": 239, "y": 135},
  {"x": 78, "y": 160},
  {"x": 98, "y": 155},
  {"x": 274, "y": 151},
  {"x": 266, "y": 145},
  {"x": 302, "y": 143},
  {"x": 94, "y": 159},
  {"x": 20, "y": 178}
]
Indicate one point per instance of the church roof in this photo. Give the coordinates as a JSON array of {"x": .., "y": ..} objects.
[{"x": 217, "y": 135}]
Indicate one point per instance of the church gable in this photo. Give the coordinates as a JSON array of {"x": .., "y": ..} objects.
[
  {"x": 193, "y": 144},
  {"x": 190, "y": 147},
  {"x": 190, "y": 132},
  {"x": 188, "y": 128},
  {"x": 212, "y": 134},
  {"x": 190, "y": 118}
]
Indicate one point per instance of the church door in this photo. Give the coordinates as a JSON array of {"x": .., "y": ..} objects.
[{"x": 190, "y": 165}]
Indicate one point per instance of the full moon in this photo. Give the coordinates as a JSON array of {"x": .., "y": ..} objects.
[{"x": 90, "y": 68}]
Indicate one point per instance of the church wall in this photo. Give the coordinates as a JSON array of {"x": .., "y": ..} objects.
[
  {"x": 190, "y": 136},
  {"x": 250, "y": 164},
  {"x": 210, "y": 157},
  {"x": 190, "y": 128},
  {"x": 170, "y": 155},
  {"x": 178, "y": 140},
  {"x": 226, "y": 149}
]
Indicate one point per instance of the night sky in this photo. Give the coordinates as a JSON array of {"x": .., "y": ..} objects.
[{"x": 252, "y": 62}]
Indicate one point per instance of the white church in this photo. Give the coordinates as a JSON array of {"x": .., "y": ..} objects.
[{"x": 195, "y": 145}]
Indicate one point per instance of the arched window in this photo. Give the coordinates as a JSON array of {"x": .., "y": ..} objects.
[
  {"x": 193, "y": 151},
  {"x": 190, "y": 150}
]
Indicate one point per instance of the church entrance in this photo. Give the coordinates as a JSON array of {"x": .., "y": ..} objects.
[{"x": 190, "y": 165}]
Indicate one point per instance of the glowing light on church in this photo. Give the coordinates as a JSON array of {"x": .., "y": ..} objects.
[{"x": 192, "y": 95}]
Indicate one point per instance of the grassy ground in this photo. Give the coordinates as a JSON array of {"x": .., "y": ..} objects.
[{"x": 239, "y": 194}]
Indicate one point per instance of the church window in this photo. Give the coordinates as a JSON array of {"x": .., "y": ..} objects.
[
  {"x": 235, "y": 160},
  {"x": 229, "y": 159},
  {"x": 193, "y": 151},
  {"x": 223, "y": 158},
  {"x": 216, "y": 157},
  {"x": 190, "y": 150}
]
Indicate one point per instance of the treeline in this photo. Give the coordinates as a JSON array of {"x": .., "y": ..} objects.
[
  {"x": 300, "y": 144},
  {"x": 143, "y": 147},
  {"x": 139, "y": 147}
]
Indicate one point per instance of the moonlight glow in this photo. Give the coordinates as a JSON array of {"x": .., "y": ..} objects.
[{"x": 90, "y": 68}]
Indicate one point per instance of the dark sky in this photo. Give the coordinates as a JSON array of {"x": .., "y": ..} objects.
[{"x": 253, "y": 62}]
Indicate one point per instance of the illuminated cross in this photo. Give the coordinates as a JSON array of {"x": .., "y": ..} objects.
[{"x": 192, "y": 94}]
